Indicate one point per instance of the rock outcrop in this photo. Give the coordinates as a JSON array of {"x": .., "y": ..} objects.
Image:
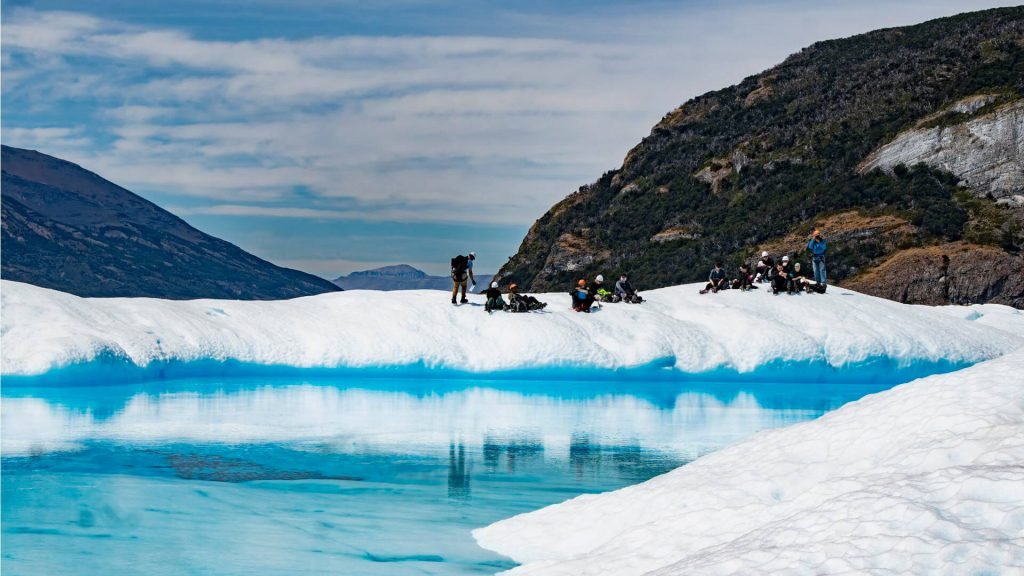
[
  {"x": 985, "y": 151},
  {"x": 955, "y": 273}
]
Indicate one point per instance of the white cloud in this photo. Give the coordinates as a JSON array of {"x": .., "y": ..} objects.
[{"x": 496, "y": 128}]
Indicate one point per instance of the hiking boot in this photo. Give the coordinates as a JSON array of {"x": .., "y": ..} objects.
[
  {"x": 453, "y": 300},
  {"x": 703, "y": 291},
  {"x": 465, "y": 301}
]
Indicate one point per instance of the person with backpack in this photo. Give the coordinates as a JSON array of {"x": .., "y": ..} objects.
[
  {"x": 716, "y": 280},
  {"x": 582, "y": 299},
  {"x": 521, "y": 302},
  {"x": 816, "y": 244},
  {"x": 494, "y": 299},
  {"x": 462, "y": 268},
  {"x": 625, "y": 291}
]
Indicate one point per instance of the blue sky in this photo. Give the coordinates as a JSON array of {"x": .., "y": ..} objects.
[{"x": 340, "y": 135}]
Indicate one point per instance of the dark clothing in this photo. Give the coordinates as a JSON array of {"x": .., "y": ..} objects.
[
  {"x": 716, "y": 280},
  {"x": 765, "y": 269},
  {"x": 582, "y": 299},
  {"x": 523, "y": 303},
  {"x": 494, "y": 300},
  {"x": 744, "y": 280},
  {"x": 623, "y": 289}
]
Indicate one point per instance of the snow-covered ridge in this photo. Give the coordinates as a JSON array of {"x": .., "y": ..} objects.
[
  {"x": 45, "y": 330},
  {"x": 925, "y": 478}
]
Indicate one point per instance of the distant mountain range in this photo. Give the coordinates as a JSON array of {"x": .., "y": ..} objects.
[
  {"x": 69, "y": 229},
  {"x": 399, "y": 277}
]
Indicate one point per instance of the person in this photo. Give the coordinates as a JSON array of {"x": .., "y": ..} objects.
[
  {"x": 716, "y": 280},
  {"x": 601, "y": 292},
  {"x": 816, "y": 244},
  {"x": 625, "y": 291},
  {"x": 780, "y": 280},
  {"x": 765, "y": 268},
  {"x": 494, "y": 300},
  {"x": 521, "y": 302},
  {"x": 582, "y": 299},
  {"x": 745, "y": 280},
  {"x": 798, "y": 278},
  {"x": 462, "y": 268}
]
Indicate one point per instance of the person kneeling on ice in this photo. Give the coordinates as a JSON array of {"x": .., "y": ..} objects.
[
  {"x": 521, "y": 302},
  {"x": 716, "y": 280},
  {"x": 582, "y": 299},
  {"x": 494, "y": 300},
  {"x": 625, "y": 291}
]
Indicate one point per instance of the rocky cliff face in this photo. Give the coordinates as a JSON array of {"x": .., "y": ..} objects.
[
  {"x": 68, "y": 229},
  {"x": 956, "y": 273},
  {"x": 986, "y": 151},
  {"x": 934, "y": 107}
]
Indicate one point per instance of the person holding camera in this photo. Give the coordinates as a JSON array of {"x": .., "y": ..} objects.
[{"x": 816, "y": 244}]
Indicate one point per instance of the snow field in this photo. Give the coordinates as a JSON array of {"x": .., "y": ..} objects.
[
  {"x": 926, "y": 478},
  {"x": 46, "y": 330}
]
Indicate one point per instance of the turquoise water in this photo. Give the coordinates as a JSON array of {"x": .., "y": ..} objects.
[{"x": 343, "y": 475}]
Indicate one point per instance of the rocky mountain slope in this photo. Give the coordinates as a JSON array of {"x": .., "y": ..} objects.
[
  {"x": 399, "y": 277},
  {"x": 904, "y": 141},
  {"x": 67, "y": 228}
]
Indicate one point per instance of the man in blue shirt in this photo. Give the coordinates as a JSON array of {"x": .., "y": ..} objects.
[{"x": 817, "y": 247}]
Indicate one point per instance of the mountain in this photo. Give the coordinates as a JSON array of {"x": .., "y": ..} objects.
[
  {"x": 399, "y": 277},
  {"x": 905, "y": 146},
  {"x": 68, "y": 229}
]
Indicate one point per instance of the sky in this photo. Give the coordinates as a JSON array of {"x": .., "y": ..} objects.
[{"x": 341, "y": 135}]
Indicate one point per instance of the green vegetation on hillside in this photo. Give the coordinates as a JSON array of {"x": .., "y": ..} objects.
[{"x": 784, "y": 147}]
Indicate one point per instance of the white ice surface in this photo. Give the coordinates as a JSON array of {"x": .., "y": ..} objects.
[
  {"x": 45, "y": 329},
  {"x": 925, "y": 478}
]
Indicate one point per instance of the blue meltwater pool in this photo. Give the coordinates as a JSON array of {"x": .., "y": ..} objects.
[{"x": 341, "y": 476}]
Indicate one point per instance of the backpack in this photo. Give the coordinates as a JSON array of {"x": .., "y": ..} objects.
[{"x": 459, "y": 266}]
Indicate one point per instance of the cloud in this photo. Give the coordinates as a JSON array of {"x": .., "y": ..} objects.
[{"x": 494, "y": 123}]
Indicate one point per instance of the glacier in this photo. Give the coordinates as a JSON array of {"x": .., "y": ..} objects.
[
  {"x": 675, "y": 332},
  {"x": 924, "y": 478}
]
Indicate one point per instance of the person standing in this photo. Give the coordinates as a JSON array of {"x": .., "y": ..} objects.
[
  {"x": 816, "y": 244},
  {"x": 462, "y": 268}
]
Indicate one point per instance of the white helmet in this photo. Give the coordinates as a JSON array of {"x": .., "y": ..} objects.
[
  {"x": 785, "y": 258},
  {"x": 764, "y": 254},
  {"x": 494, "y": 284},
  {"x": 599, "y": 278}
]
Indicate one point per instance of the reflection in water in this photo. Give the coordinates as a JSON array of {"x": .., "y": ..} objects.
[
  {"x": 458, "y": 472},
  {"x": 360, "y": 478},
  {"x": 503, "y": 425}
]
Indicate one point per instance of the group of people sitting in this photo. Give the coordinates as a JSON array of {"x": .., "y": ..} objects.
[
  {"x": 783, "y": 276},
  {"x": 584, "y": 297},
  {"x": 516, "y": 302}
]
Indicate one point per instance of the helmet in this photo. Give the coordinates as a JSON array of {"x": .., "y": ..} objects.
[
  {"x": 817, "y": 232},
  {"x": 582, "y": 282},
  {"x": 599, "y": 278},
  {"x": 513, "y": 286},
  {"x": 764, "y": 254},
  {"x": 472, "y": 254},
  {"x": 494, "y": 284},
  {"x": 785, "y": 258}
]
